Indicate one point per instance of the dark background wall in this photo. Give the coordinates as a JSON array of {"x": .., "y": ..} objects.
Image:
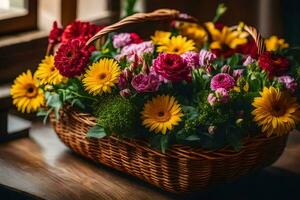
[{"x": 271, "y": 17}]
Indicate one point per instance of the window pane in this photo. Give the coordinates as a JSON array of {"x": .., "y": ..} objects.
[
  {"x": 12, "y": 8},
  {"x": 94, "y": 9}
]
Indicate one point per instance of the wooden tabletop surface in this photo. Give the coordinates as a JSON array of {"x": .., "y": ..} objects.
[{"x": 43, "y": 167}]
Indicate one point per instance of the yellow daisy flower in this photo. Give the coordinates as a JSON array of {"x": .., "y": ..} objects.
[
  {"x": 177, "y": 45},
  {"x": 276, "y": 112},
  {"x": 26, "y": 94},
  {"x": 161, "y": 37},
  {"x": 226, "y": 37},
  {"x": 161, "y": 114},
  {"x": 47, "y": 73},
  {"x": 194, "y": 32},
  {"x": 274, "y": 44},
  {"x": 102, "y": 76}
]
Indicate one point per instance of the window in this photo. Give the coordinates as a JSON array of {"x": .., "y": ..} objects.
[{"x": 17, "y": 15}]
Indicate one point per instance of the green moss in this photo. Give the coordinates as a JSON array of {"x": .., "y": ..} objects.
[{"x": 117, "y": 115}]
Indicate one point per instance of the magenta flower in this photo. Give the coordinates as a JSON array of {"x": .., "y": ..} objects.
[
  {"x": 122, "y": 83},
  {"x": 191, "y": 58},
  {"x": 124, "y": 78},
  {"x": 145, "y": 83},
  {"x": 288, "y": 82},
  {"x": 206, "y": 57},
  {"x": 171, "y": 67},
  {"x": 222, "y": 80}
]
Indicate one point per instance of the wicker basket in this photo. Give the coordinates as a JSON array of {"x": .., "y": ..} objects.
[{"x": 181, "y": 169}]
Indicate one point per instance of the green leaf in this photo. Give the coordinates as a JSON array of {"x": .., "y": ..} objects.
[
  {"x": 234, "y": 60},
  {"x": 129, "y": 7},
  {"x": 96, "y": 132},
  {"x": 234, "y": 141},
  {"x": 96, "y": 55},
  {"x": 164, "y": 142},
  {"x": 44, "y": 113},
  {"x": 55, "y": 103},
  {"x": 193, "y": 138},
  {"x": 191, "y": 113},
  {"x": 219, "y": 12}
]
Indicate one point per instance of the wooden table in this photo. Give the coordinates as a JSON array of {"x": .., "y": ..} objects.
[{"x": 41, "y": 166}]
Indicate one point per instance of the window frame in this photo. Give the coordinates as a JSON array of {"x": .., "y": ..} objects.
[{"x": 21, "y": 23}]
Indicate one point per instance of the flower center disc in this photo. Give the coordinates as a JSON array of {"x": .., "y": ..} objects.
[
  {"x": 31, "y": 91},
  {"x": 163, "y": 116},
  {"x": 102, "y": 76},
  {"x": 278, "y": 111}
]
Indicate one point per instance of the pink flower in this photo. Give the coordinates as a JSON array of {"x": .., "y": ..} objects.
[
  {"x": 222, "y": 95},
  {"x": 288, "y": 82},
  {"x": 171, "y": 67},
  {"x": 134, "y": 51},
  {"x": 225, "y": 69},
  {"x": 125, "y": 93},
  {"x": 206, "y": 57},
  {"x": 124, "y": 78},
  {"x": 212, "y": 99},
  {"x": 222, "y": 80},
  {"x": 237, "y": 73},
  {"x": 122, "y": 39},
  {"x": 249, "y": 60},
  {"x": 145, "y": 83},
  {"x": 219, "y": 96},
  {"x": 191, "y": 58}
]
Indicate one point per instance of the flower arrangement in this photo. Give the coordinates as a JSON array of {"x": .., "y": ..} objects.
[{"x": 198, "y": 85}]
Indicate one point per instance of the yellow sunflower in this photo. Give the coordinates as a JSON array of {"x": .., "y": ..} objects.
[
  {"x": 161, "y": 37},
  {"x": 26, "y": 94},
  {"x": 177, "y": 45},
  {"x": 194, "y": 32},
  {"x": 277, "y": 112},
  {"x": 102, "y": 76},
  {"x": 227, "y": 37},
  {"x": 274, "y": 44},
  {"x": 47, "y": 73},
  {"x": 161, "y": 114}
]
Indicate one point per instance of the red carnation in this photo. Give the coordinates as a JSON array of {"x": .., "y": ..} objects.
[
  {"x": 171, "y": 67},
  {"x": 71, "y": 58},
  {"x": 80, "y": 30},
  {"x": 55, "y": 34},
  {"x": 274, "y": 65},
  {"x": 136, "y": 39}
]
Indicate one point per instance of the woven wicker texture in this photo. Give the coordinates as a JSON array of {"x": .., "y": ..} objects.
[{"x": 181, "y": 169}]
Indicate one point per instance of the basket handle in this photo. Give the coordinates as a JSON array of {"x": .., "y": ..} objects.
[
  {"x": 259, "y": 40},
  {"x": 157, "y": 15}
]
